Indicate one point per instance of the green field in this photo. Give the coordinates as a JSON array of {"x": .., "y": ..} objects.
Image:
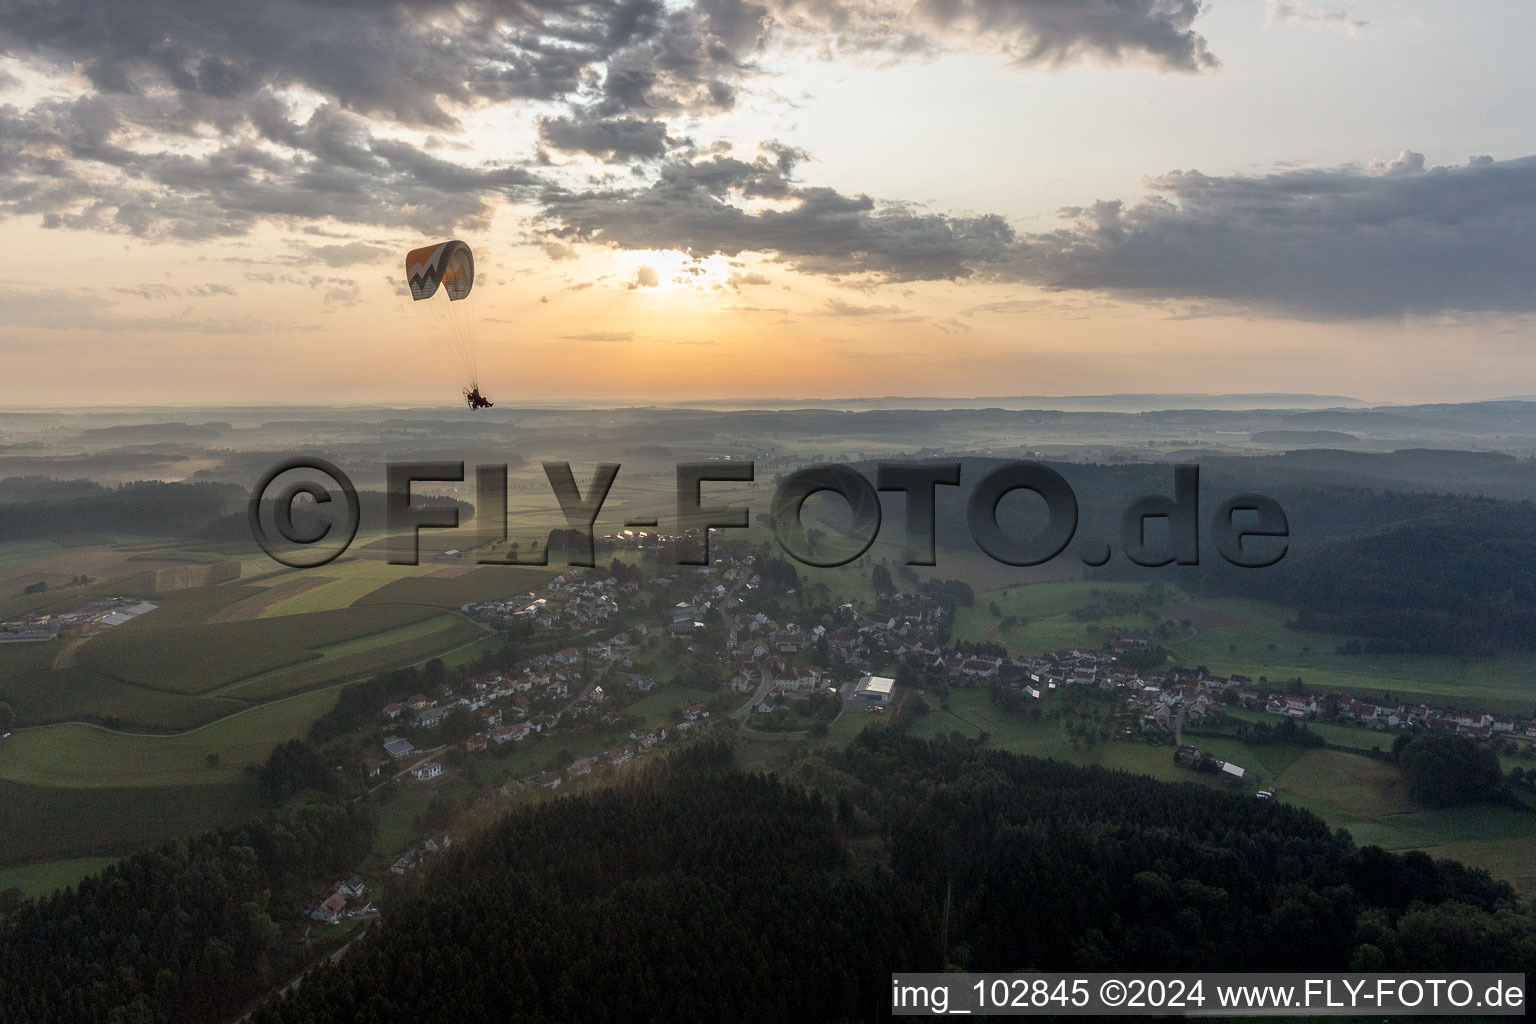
[
  {"x": 1045, "y": 619},
  {"x": 42, "y": 823},
  {"x": 43, "y": 879},
  {"x": 487, "y": 583},
  {"x": 1259, "y": 644},
  {"x": 204, "y": 657},
  {"x": 375, "y": 652},
  {"x": 86, "y": 756},
  {"x": 347, "y": 581},
  {"x": 1352, "y": 791},
  {"x": 1238, "y": 636}
]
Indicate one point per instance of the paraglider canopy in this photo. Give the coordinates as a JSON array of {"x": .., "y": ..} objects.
[
  {"x": 449, "y": 264},
  {"x": 449, "y": 268}
]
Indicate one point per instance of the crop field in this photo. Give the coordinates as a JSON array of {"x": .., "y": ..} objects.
[
  {"x": 40, "y": 823},
  {"x": 205, "y": 657},
  {"x": 89, "y": 757},
  {"x": 41, "y": 693},
  {"x": 346, "y": 581},
  {"x": 404, "y": 645},
  {"x": 486, "y": 583}
]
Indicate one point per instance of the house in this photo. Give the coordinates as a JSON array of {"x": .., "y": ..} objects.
[
  {"x": 352, "y": 887},
  {"x": 693, "y": 711},
  {"x": 428, "y": 718},
  {"x": 393, "y": 710},
  {"x": 430, "y": 770},
  {"x": 1232, "y": 771},
  {"x": 398, "y": 747},
  {"x": 476, "y": 742},
  {"x": 580, "y": 766},
  {"x": 545, "y": 780},
  {"x": 330, "y": 910},
  {"x": 373, "y": 767}
]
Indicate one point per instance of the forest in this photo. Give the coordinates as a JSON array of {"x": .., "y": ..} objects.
[
  {"x": 192, "y": 931},
  {"x": 694, "y": 891}
]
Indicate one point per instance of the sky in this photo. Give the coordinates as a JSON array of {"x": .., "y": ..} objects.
[{"x": 210, "y": 202}]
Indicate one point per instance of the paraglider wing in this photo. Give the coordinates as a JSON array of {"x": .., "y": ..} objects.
[
  {"x": 449, "y": 264},
  {"x": 448, "y": 267}
]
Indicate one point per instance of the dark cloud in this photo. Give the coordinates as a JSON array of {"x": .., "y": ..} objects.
[
  {"x": 412, "y": 62},
  {"x": 63, "y": 164},
  {"x": 1387, "y": 239},
  {"x": 819, "y": 230},
  {"x": 615, "y": 140}
]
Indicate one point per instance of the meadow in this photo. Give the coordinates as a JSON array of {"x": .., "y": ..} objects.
[
  {"x": 43, "y": 823},
  {"x": 44, "y": 879},
  {"x": 89, "y": 757},
  {"x": 1238, "y": 636},
  {"x": 1363, "y": 795}
]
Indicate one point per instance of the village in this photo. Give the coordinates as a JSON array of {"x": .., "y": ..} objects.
[{"x": 761, "y": 663}]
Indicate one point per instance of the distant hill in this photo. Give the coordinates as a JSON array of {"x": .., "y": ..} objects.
[
  {"x": 1074, "y": 403},
  {"x": 1302, "y": 437}
]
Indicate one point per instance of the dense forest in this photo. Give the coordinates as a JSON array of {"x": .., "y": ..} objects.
[
  {"x": 192, "y": 931},
  {"x": 690, "y": 890},
  {"x": 697, "y": 892},
  {"x": 147, "y": 508},
  {"x": 1404, "y": 570}
]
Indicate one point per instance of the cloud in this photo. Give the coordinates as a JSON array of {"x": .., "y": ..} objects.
[
  {"x": 340, "y": 296},
  {"x": 347, "y": 255},
  {"x": 130, "y": 154},
  {"x": 414, "y": 63},
  {"x": 837, "y": 307},
  {"x": 1047, "y": 33},
  {"x": 64, "y": 163},
  {"x": 1279, "y": 11},
  {"x": 598, "y": 336},
  {"x": 646, "y": 277},
  {"x": 1387, "y": 239},
  {"x": 614, "y": 140},
  {"x": 693, "y": 206},
  {"x": 156, "y": 292},
  {"x": 80, "y": 310}
]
